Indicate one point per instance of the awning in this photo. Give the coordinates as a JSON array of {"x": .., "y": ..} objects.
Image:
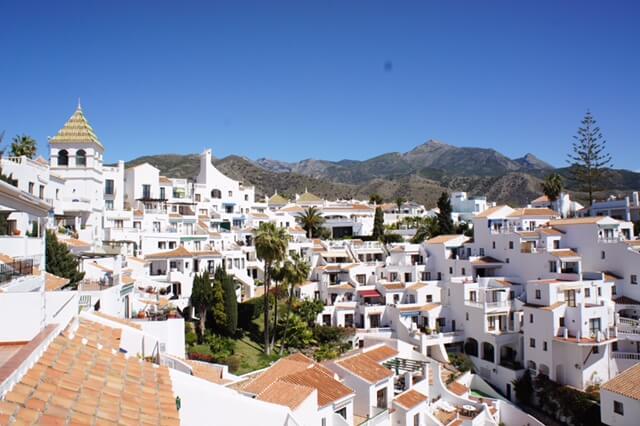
[{"x": 370, "y": 293}]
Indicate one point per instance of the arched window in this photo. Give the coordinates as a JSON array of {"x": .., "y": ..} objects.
[
  {"x": 216, "y": 193},
  {"x": 63, "y": 158},
  {"x": 488, "y": 352},
  {"x": 471, "y": 347},
  {"x": 81, "y": 158}
]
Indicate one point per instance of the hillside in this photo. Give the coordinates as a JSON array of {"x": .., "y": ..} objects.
[{"x": 420, "y": 174}]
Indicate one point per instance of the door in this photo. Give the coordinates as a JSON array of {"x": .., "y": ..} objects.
[
  {"x": 509, "y": 391},
  {"x": 453, "y": 325}
]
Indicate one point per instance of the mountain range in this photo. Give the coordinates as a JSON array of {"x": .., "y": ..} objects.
[{"x": 420, "y": 174}]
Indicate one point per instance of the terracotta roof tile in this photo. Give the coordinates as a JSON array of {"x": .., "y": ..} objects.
[
  {"x": 410, "y": 399},
  {"x": 626, "y": 383},
  {"x": 366, "y": 368},
  {"x": 381, "y": 353}
]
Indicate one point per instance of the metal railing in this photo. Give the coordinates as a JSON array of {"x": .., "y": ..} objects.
[
  {"x": 626, "y": 355},
  {"x": 17, "y": 268}
]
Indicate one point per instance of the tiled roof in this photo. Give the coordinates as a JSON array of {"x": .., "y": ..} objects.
[
  {"x": 308, "y": 197},
  {"x": 490, "y": 211},
  {"x": 553, "y": 306},
  {"x": 207, "y": 371},
  {"x": 423, "y": 308},
  {"x": 545, "y": 212},
  {"x": 409, "y": 399},
  {"x": 74, "y": 383},
  {"x": 589, "y": 220},
  {"x": 329, "y": 389},
  {"x": 54, "y": 282},
  {"x": 179, "y": 252},
  {"x": 624, "y": 300},
  {"x": 610, "y": 276},
  {"x": 564, "y": 253},
  {"x": 365, "y": 368},
  {"x": 443, "y": 239},
  {"x": 541, "y": 199},
  {"x": 277, "y": 199},
  {"x": 206, "y": 253},
  {"x": 73, "y": 242},
  {"x": 122, "y": 321},
  {"x": 393, "y": 286},
  {"x": 76, "y": 129},
  {"x": 381, "y": 353},
  {"x": 284, "y": 393},
  {"x": 626, "y": 383},
  {"x": 280, "y": 368},
  {"x": 458, "y": 388},
  {"x": 416, "y": 286},
  {"x": 549, "y": 231},
  {"x": 98, "y": 334}
]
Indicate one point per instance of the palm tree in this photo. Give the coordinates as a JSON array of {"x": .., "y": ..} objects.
[
  {"x": 375, "y": 199},
  {"x": 311, "y": 220},
  {"x": 23, "y": 145},
  {"x": 399, "y": 202},
  {"x": 427, "y": 229},
  {"x": 271, "y": 247},
  {"x": 552, "y": 186},
  {"x": 296, "y": 272},
  {"x": 278, "y": 275}
]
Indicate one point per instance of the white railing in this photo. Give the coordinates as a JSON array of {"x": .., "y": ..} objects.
[
  {"x": 626, "y": 355},
  {"x": 629, "y": 321}
]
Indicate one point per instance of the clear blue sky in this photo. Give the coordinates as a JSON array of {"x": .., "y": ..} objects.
[{"x": 323, "y": 79}]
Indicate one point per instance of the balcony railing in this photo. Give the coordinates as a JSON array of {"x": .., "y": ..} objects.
[
  {"x": 626, "y": 355},
  {"x": 17, "y": 268}
]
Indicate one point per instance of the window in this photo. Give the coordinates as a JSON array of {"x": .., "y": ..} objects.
[
  {"x": 429, "y": 298},
  {"x": 162, "y": 245},
  {"x": 618, "y": 408},
  {"x": 466, "y": 315},
  {"x": 381, "y": 398},
  {"x": 108, "y": 187},
  {"x": 81, "y": 158},
  {"x": 172, "y": 245},
  {"x": 163, "y": 193},
  {"x": 230, "y": 193},
  {"x": 553, "y": 266},
  {"x": 532, "y": 343},
  {"x": 603, "y": 255},
  {"x": 118, "y": 223},
  {"x": 570, "y": 298},
  {"x": 146, "y": 192},
  {"x": 450, "y": 269},
  {"x": 246, "y": 197},
  {"x": 481, "y": 251},
  {"x": 613, "y": 290},
  {"x": 493, "y": 244},
  {"x": 561, "y": 322},
  {"x": 556, "y": 244},
  {"x": 216, "y": 193},
  {"x": 544, "y": 346},
  {"x": 538, "y": 294},
  {"x": 342, "y": 412},
  {"x": 587, "y": 292},
  {"x": 634, "y": 279},
  {"x": 599, "y": 291},
  {"x": 63, "y": 158},
  {"x": 464, "y": 272},
  {"x": 510, "y": 245},
  {"x": 416, "y": 419},
  {"x": 324, "y": 421},
  {"x": 507, "y": 260},
  {"x": 531, "y": 318},
  {"x": 198, "y": 198},
  {"x": 41, "y": 192},
  {"x": 31, "y": 185},
  {"x": 439, "y": 276},
  {"x": 472, "y": 296},
  {"x": 108, "y": 204},
  {"x": 596, "y": 349}
]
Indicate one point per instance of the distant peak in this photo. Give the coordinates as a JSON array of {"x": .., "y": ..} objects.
[{"x": 434, "y": 142}]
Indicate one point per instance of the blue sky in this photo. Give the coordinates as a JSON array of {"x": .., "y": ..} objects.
[{"x": 323, "y": 79}]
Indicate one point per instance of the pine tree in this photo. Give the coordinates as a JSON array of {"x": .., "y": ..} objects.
[
  {"x": 445, "y": 223},
  {"x": 589, "y": 160},
  {"x": 378, "y": 224},
  {"x": 60, "y": 261}
]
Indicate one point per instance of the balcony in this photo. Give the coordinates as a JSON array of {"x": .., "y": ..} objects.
[{"x": 15, "y": 269}]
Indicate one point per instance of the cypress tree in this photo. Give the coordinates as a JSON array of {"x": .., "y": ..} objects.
[
  {"x": 217, "y": 301},
  {"x": 378, "y": 224},
  {"x": 230, "y": 303}
]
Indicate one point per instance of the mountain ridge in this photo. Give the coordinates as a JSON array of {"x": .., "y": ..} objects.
[{"x": 420, "y": 174}]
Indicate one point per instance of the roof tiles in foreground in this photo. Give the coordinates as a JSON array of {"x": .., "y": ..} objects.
[
  {"x": 77, "y": 383},
  {"x": 626, "y": 383}
]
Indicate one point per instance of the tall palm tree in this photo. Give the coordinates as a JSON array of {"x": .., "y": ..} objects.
[
  {"x": 552, "y": 186},
  {"x": 311, "y": 220},
  {"x": 271, "y": 247},
  {"x": 278, "y": 275},
  {"x": 296, "y": 272},
  {"x": 399, "y": 202}
]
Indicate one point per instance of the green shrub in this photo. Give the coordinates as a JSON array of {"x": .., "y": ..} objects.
[{"x": 190, "y": 338}]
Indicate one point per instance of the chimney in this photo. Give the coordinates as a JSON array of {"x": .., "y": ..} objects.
[{"x": 634, "y": 196}]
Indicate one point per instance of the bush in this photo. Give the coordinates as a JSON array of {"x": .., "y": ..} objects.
[
  {"x": 190, "y": 338},
  {"x": 198, "y": 356},
  {"x": 221, "y": 347},
  {"x": 234, "y": 362},
  {"x": 461, "y": 362},
  {"x": 325, "y": 352}
]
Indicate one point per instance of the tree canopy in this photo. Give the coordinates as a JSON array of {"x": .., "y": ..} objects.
[
  {"x": 60, "y": 261},
  {"x": 378, "y": 224},
  {"x": 445, "y": 223},
  {"x": 311, "y": 221},
  {"x": 24, "y": 145}
]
